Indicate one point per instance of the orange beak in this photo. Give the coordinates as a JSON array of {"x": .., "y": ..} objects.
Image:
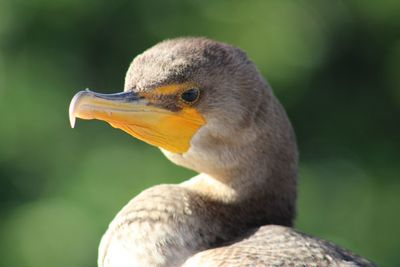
[{"x": 134, "y": 114}]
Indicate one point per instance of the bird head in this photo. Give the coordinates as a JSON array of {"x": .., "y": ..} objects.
[{"x": 200, "y": 101}]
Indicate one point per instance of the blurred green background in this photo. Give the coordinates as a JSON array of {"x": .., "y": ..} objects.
[{"x": 334, "y": 65}]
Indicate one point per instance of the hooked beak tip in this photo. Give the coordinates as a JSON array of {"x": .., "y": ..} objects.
[
  {"x": 72, "y": 108},
  {"x": 72, "y": 120}
]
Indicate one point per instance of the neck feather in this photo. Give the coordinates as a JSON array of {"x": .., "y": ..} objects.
[{"x": 258, "y": 174}]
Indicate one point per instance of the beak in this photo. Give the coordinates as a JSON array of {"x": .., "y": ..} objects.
[{"x": 134, "y": 114}]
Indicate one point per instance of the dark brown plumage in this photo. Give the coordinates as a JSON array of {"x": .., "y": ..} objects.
[{"x": 246, "y": 155}]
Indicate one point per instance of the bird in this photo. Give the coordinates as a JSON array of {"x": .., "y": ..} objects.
[{"x": 208, "y": 108}]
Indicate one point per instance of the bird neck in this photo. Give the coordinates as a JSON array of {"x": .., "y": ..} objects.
[
  {"x": 257, "y": 173},
  {"x": 252, "y": 197}
]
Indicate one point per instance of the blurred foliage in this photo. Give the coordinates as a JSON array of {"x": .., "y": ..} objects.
[{"x": 334, "y": 64}]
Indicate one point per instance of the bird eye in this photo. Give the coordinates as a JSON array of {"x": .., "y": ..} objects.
[{"x": 191, "y": 95}]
